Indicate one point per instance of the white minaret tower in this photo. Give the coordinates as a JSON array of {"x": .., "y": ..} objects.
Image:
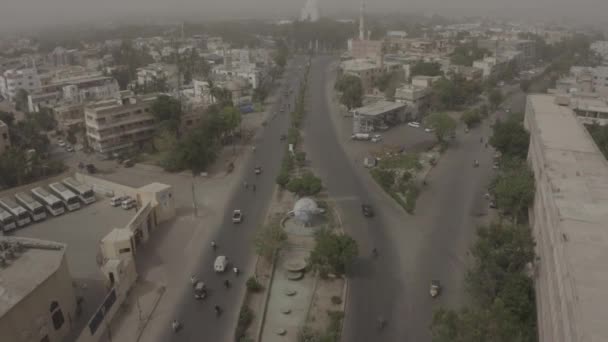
[{"x": 362, "y": 21}]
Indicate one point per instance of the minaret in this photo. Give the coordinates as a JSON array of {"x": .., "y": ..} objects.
[{"x": 362, "y": 22}]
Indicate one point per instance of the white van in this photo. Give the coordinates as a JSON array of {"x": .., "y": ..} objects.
[{"x": 128, "y": 203}]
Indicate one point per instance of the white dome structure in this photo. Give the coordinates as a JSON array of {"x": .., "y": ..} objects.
[{"x": 305, "y": 209}]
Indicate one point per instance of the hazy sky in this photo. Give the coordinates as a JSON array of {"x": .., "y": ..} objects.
[{"x": 44, "y": 12}]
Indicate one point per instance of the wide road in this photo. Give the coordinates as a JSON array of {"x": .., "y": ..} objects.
[
  {"x": 200, "y": 322},
  {"x": 431, "y": 244}
]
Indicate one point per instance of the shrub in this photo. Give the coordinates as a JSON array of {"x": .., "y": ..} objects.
[
  {"x": 301, "y": 158},
  {"x": 336, "y": 300},
  {"x": 386, "y": 178},
  {"x": 306, "y": 185},
  {"x": 283, "y": 178},
  {"x": 253, "y": 284},
  {"x": 245, "y": 319}
]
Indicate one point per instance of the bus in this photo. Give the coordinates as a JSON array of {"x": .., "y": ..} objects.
[
  {"x": 52, "y": 204},
  {"x": 70, "y": 200},
  {"x": 34, "y": 207},
  {"x": 23, "y": 217},
  {"x": 7, "y": 221},
  {"x": 84, "y": 192}
]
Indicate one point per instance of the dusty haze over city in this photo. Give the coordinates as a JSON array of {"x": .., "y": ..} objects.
[{"x": 36, "y": 13}]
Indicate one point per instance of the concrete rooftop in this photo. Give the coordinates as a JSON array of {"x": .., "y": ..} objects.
[
  {"x": 578, "y": 174},
  {"x": 30, "y": 268},
  {"x": 378, "y": 108}
]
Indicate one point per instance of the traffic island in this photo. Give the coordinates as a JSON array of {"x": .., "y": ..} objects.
[{"x": 402, "y": 175}]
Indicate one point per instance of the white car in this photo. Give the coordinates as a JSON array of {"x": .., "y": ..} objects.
[
  {"x": 377, "y": 138},
  {"x": 117, "y": 200},
  {"x": 220, "y": 264},
  {"x": 61, "y": 143},
  {"x": 429, "y": 130},
  {"x": 237, "y": 216},
  {"x": 128, "y": 203},
  {"x": 414, "y": 124}
]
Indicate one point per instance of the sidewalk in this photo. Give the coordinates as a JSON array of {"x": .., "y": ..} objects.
[{"x": 172, "y": 249}]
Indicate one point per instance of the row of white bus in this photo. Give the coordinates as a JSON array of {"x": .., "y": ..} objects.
[{"x": 34, "y": 205}]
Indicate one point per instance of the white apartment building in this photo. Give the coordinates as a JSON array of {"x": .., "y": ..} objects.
[
  {"x": 5, "y": 139},
  {"x": 488, "y": 65},
  {"x": 600, "y": 80},
  {"x": 156, "y": 72},
  {"x": 73, "y": 90},
  {"x": 569, "y": 223},
  {"x": 114, "y": 125},
  {"x": 13, "y": 80}
]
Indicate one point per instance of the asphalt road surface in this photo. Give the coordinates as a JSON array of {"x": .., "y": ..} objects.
[
  {"x": 414, "y": 249},
  {"x": 199, "y": 320}
]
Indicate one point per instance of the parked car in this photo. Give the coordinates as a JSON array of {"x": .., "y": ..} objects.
[
  {"x": 91, "y": 168},
  {"x": 117, "y": 200},
  {"x": 61, "y": 143},
  {"x": 367, "y": 210},
  {"x": 377, "y": 138},
  {"x": 414, "y": 124},
  {"x": 128, "y": 163},
  {"x": 128, "y": 203},
  {"x": 69, "y": 148},
  {"x": 237, "y": 216},
  {"x": 429, "y": 130}
]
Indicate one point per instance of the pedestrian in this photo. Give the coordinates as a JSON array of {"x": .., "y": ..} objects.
[
  {"x": 246, "y": 185},
  {"x": 253, "y": 187},
  {"x": 227, "y": 283},
  {"x": 236, "y": 271},
  {"x": 213, "y": 245}
]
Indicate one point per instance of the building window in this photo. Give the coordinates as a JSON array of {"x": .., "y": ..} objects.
[{"x": 56, "y": 315}]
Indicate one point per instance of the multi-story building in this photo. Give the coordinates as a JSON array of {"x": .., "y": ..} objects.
[
  {"x": 69, "y": 115},
  {"x": 152, "y": 74},
  {"x": 26, "y": 79},
  {"x": 416, "y": 98},
  {"x": 498, "y": 46},
  {"x": 119, "y": 124},
  {"x": 368, "y": 71},
  {"x": 37, "y": 301},
  {"x": 568, "y": 222},
  {"x": 600, "y": 80},
  {"x": 5, "y": 138},
  {"x": 73, "y": 90}
]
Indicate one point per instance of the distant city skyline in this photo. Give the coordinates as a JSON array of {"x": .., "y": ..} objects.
[{"x": 32, "y": 13}]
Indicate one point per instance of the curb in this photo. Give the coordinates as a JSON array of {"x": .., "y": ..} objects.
[{"x": 260, "y": 329}]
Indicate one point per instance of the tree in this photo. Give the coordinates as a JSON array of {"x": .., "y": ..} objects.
[
  {"x": 168, "y": 112},
  {"x": 44, "y": 119},
  {"x": 495, "y": 97},
  {"x": 8, "y": 118},
  {"x": 471, "y": 118},
  {"x": 453, "y": 93},
  {"x": 600, "y": 136},
  {"x": 280, "y": 55},
  {"x": 386, "y": 178},
  {"x": 467, "y": 53},
  {"x": 426, "y": 69},
  {"x": 333, "y": 253},
  {"x": 514, "y": 190},
  {"x": 443, "y": 124},
  {"x": 352, "y": 91},
  {"x": 524, "y": 85},
  {"x": 510, "y": 138},
  {"x": 306, "y": 185},
  {"x": 21, "y": 100},
  {"x": 269, "y": 239}
]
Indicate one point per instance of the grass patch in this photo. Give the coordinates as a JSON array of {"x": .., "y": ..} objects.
[
  {"x": 406, "y": 161},
  {"x": 245, "y": 319}
]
